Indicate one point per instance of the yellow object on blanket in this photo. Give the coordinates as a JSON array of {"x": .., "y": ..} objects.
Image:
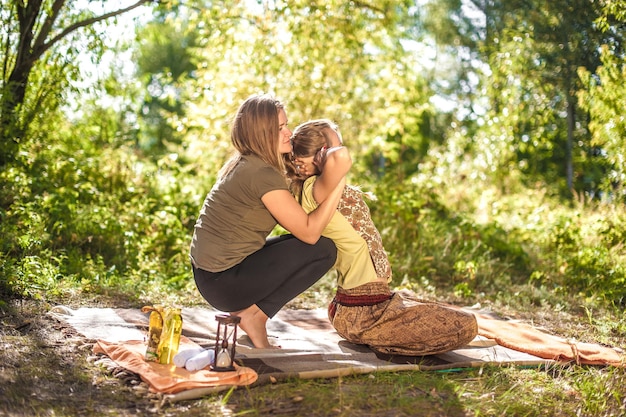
[{"x": 169, "y": 379}]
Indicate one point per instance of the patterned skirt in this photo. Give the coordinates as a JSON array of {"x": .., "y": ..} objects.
[{"x": 399, "y": 323}]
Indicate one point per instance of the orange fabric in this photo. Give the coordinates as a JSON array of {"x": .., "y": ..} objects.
[
  {"x": 169, "y": 379},
  {"x": 525, "y": 338}
]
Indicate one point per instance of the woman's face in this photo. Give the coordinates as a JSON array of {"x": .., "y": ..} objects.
[{"x": 284, "y": 134}]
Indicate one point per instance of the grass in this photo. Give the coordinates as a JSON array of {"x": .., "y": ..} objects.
[{"x": 489, "y": 391}]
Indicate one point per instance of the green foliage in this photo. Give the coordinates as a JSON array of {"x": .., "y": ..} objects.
[
  {"x": 605, "y": 100},
  {"x": 40, "y": 60},
  {"x": 95, "y": 214},
  {"x": 431, "y": 245},
  {"x": 532, "y": 52},
  {"x": 90, "y": 203},
  {"x": 589, "y": 255},
  {"x": 164, "y": 62},
  {"x": 382, "y": 106}
]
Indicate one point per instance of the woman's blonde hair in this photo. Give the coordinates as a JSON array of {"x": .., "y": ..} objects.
[
  {"x": 307, "y": 140},
  {"x": 255, "y": 131}
]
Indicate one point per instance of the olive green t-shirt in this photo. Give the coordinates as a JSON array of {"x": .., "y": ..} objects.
[{"x": 234, "y": 222}]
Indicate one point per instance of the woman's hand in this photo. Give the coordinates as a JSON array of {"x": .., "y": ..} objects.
[
  {"x": 308, "y": 166},
  {"x": 289, "y": 214},
  {"x": 303, "y": 169}
]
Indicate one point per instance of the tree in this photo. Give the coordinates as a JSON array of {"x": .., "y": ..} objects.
[
  {"x": 31, "y": 32},
  {"x": 342, "y": 60},
  {"x": 605, "y": 100},
  {"x": 164, "y": 60},
  {"x": 534, "y": 50}
]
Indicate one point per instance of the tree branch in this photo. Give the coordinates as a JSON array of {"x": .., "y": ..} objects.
[
  {"x": 43, "y": 47},
  {"x": 27, "y": 17},
  {"x": 47, "y": 26}
]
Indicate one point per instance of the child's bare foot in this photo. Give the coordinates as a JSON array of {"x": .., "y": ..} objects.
[{"x": 253, "y": 321}]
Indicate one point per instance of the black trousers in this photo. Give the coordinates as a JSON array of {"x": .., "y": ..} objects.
[{"x": 271, "y": 277}]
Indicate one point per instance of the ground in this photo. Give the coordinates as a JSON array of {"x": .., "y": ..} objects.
[{"x": 47, "y": 369}]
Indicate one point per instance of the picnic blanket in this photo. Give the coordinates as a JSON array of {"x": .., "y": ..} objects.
[{"x": 310, "y": 348}]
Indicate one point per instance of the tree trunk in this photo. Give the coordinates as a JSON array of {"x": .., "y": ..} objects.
[
  {"x": 14, "y": 92},
  {"x": 571, "y": 120},
  {"x": 11, "y": 130}
]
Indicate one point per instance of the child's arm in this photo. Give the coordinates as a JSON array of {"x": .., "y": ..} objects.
[{"x": 334, "y": 163}]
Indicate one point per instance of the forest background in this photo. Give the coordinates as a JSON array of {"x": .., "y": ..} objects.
[{"x": 491, "y": 133}]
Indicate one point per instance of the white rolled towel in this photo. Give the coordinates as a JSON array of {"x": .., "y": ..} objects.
[
  {"x": 201, "y": 360},
  {"x": 181, "y": 358}
]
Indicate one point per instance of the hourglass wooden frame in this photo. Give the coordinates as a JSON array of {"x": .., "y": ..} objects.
[{"x": 226, "y": 338}]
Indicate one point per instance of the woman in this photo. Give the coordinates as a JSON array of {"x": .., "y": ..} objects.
[
  {"x": 236, "y": 268},
  {"x": 364, "y": 309}
]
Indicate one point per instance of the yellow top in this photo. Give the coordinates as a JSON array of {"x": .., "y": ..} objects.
[{"x": 354, "y": 265}]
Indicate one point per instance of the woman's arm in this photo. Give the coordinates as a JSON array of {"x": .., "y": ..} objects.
[{"x": 290, "y": 215}]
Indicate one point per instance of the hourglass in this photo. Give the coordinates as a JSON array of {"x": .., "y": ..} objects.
[{"x": 226, "y": 337}]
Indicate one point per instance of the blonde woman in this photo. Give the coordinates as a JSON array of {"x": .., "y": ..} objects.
[{"x": 236, "y": 267}]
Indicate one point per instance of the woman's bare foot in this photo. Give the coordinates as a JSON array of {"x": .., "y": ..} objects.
[{"x": 253, "y": 321}]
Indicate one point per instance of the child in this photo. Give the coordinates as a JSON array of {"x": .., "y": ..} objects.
[{"x": 364, "y": 309}]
